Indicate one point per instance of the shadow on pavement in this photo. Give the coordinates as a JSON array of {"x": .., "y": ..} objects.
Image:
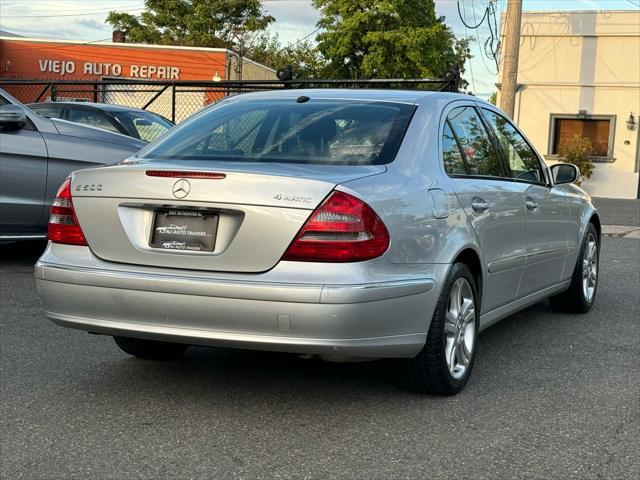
[
  {"x": 231, "y": 372},
  {"x": 204, "y": 372},
  {"x": 24, "y": 253}
]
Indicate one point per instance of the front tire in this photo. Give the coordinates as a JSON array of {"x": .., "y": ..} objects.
[
  {"x": 581, "y": 294},
  {"x": 444, "y": 365},
  {"x": 150, "y": 349}
]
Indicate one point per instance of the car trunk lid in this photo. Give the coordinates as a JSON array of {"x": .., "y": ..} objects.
[{"x": 217, "y": 216}]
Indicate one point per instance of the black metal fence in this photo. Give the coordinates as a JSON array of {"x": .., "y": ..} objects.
[{"x": 178, "y": 100}]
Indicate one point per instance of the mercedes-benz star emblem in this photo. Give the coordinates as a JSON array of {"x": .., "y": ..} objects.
[{"x": 181, "y": 188}]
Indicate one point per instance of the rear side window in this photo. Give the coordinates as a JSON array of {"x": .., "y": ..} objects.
[
  {"x": 337, "y": 132},
  {"x": 146, "y": 126},
  {"x": 479, "y": 154},
  {"x": 93, "y": 119},
  {"x": 451, "y": 154},
  {"x": 522, "y": 160},
  {"x": 49, "y": 112}
]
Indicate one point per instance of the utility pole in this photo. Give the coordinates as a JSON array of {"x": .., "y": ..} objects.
[
  {"x": 511, "y": 52},
  {"x": 241, "y": 56}
]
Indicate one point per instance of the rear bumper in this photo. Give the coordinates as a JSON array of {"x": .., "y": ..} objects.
[{"x": 376, "y": 319}]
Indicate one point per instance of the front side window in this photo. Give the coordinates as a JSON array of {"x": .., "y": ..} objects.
[
  {"x": 323, "y": 131},
  {"x": 93, "y": 119},
  {"x": 479, "y": 153},
  {"x": 522, "y": 160}
]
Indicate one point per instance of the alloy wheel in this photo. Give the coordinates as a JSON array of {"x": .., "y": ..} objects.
[
  {"x": 460, "y": 328},
  {"x": 590, "y": 268}
]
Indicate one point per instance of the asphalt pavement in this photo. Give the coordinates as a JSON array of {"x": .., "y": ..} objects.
[
  {"x": 617, "y": 211},
  {"x": 552, "y": 396}
]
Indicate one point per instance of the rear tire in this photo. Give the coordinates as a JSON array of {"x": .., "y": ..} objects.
[
  {"x": 150, "y": 349},
  {"x": 444, "y": 365},
  {"x": 581, "y": 294}
]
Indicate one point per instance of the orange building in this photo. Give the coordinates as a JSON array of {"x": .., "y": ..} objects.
[{"x": 37, "y": 59}]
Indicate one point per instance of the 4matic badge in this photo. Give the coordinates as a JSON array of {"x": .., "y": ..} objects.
[{"x": 289, "y": 197}]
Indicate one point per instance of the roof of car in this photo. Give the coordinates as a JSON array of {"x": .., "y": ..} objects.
[
  {"x": 413, "y": 97},
  {"x": 100, "y": 106},
  {"x": 389, "y": 95}
]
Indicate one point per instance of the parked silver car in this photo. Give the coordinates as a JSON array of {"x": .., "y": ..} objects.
[
  {"x": 356, "y": 223},
  {"x": 36, "y": 155},
  {"x": 141, "y": 124}
]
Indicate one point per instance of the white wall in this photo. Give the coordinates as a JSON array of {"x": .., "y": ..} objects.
[{"x": 571, "y": 61}]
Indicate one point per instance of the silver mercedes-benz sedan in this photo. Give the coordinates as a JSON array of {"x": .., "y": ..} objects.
[{"x": 350, "y": 223}]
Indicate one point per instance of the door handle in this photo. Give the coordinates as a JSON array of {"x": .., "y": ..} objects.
[
  {"x": 479, "y": 205},
  {"x": 531, "y": 204}
]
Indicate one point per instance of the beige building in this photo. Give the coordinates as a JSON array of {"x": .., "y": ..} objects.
[{"x": 579, "y": 73}]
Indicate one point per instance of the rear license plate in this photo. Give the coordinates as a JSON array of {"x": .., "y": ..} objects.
[{"x": 191, "y": 230}]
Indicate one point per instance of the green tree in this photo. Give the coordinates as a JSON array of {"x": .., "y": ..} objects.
[
  {"x": 386, "y": 38},
  {"x": 303, "y": 56},
  {"x": 578, "y": 150},
  {"x": 201, "y": 23}
]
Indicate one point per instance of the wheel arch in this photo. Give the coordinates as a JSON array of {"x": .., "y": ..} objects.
[
  {"x": 471, "y": 258},
  {"x": 595, "y": 220}
]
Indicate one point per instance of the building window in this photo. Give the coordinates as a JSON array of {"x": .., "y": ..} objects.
[{"x": 598, "y": 129}]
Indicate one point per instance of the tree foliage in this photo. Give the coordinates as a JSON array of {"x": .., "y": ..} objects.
[
  {"x": 305, "y": 59},
  {"x": 358, "y": 39},
  {"x": 578, "y": 150},
  {"x": 200, "y": 23},
  {"x": 386, "y": 38}
]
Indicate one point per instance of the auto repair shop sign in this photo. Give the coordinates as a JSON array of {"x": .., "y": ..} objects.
[{"x": 69, "y": 67}]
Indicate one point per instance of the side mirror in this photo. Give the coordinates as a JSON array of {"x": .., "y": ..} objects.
[
  {"x": 12, "y": 117},
  {"x": 564, "y": 173}
]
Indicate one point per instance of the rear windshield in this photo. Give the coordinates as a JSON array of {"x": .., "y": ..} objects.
[{"x": 336, "y": 132}]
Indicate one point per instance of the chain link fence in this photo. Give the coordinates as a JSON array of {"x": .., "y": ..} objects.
[{"x": 180, "y": 99}]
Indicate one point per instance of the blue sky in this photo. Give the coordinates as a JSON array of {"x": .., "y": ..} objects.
[{"x": 84, "y": 20}]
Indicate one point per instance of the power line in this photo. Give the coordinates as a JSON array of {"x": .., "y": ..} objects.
[
  {"x": 75, "y": 44},
  {"x": 474, "y": 18},
  {"x": 473, "y": 79},
  {"x": 297, "y": 41},
  {"x": 10, "y": 7},
  {"x": 495, "y": 35},
  {"x": 492, "y": 52},
  {"x": 71, "y": 14},
  {"x": 304, "y": 38}
]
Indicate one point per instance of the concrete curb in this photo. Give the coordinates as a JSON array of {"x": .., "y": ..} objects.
[{"x": 622, "y": 231}]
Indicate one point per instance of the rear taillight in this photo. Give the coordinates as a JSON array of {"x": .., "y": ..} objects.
[
  {"x": 342, "y": 229},
  {"x": 63, "y": 224}
]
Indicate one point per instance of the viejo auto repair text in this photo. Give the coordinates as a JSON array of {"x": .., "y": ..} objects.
[
  {"x": 67, "y": 67},
  {"x": 42, "y": 59}
]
